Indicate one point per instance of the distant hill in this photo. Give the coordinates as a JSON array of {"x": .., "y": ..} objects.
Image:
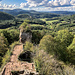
[
  {"x": 63, "y": 12},
  {"x": 32, "y": 13},
  {"x": 5, "y": 16},
  {"x": 17, "y": 11},
  {"x": 23, "y": 16}
]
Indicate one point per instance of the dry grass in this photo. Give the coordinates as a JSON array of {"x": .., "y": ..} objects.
[{"x": 46, "y": 64}]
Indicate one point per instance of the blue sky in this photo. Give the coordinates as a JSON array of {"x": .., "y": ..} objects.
[
  {"x": 12, "y": 1},
  {"x": 39, "y": 5}
]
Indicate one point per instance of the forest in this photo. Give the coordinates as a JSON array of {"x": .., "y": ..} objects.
[{"x": 52, "y": 43}]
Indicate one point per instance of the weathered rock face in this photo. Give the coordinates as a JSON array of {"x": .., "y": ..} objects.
[
  {"x": 25, "y": 36},
  {"x": 15, "y": 67}
]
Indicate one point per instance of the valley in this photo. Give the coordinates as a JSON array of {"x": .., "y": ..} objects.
[{"x": 37, "y": 43}]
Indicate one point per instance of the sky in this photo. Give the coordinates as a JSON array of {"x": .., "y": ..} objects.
[{"x": 39, "y": 5}]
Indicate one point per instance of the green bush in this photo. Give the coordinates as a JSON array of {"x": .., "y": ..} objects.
[
  {"x": 28, "y": 46},
  {"x": 65, "y": 37},
  {"x": 3, "y": 44},
  {"x": 6, "y": 58},
  {"x": 3, "y": 47},
  {"x": 50, "y": 45},
  {"x": 5, "y": 16},
  {"x": 46, "y": 64},
  {"x": 71, "y": 49},
  {"x": 13, "y": 45},
  {"x": 23, "y": 16},
  {"x": 0, "y": 60},
  {"x": 37, "y": 21},
  {"x": 11, "y": 36},
  {"x": 36, "y": 37},
  {"x": 25, "y": 27}
]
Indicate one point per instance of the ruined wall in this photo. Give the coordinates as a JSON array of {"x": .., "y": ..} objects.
[{"x": 25, "y": 36}]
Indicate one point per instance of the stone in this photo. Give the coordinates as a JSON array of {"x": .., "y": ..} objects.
[{"x": 25, "y": 36}]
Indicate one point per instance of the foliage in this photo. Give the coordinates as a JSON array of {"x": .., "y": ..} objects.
[
  {"x": 13, "y": 44},
  {"x": 46, "y": 64},
  {"x": 37, "y": 27},
  {"x": 28, "y": 46},
  {"x": 71, "y": 49},
  {"x": 5, "y": 16},
  {"x": 0, "y": 61},
  {"x": 23, "y": 16},
  {"x": 36, "y": 37},
  {"x": 52, "y": 21},
  {"x": 3, "y": 46},
  {"x": 6, "y": 58},
  {"x": 65, "y": 37},
  {"x": 9, "y": 23},
  {"x": 25, "y": 27},
  {"x": 61, "y": 45},
  {"x": 50, "y": 45},
  {"x": 37, "y": 21},
  {"x": 12, "y": 35}
]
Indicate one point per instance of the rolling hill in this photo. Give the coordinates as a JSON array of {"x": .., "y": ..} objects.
[
  {"x": 32, "y": 13},
  {"x": 5, "y": 16},
  {"x": 21, "y": 11},
  {"x": 63, "y": 12}
]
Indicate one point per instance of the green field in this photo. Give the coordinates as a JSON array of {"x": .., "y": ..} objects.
[
  {"x": 43, "y": 19},
  {"x": 51, "y": 21}
]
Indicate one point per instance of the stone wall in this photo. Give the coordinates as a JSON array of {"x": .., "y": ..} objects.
[{"x": 25, "y": 36}]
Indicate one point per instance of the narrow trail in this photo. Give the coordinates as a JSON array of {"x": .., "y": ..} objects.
[{"x": 24, "y": 68}]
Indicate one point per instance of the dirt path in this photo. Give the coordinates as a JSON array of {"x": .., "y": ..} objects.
[{"x": 16, "y": 65}]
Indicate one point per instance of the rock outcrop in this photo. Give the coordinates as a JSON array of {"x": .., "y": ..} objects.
[
  {"x": 16, "y": 67},
  {"x": 25, "y": 36}
]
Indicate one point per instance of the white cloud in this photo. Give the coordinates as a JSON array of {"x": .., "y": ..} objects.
[
  {"x": 34, "y": 3},
  {"x": 22, "y": 5},
  {"x": 72, "y": 2},
  {"x": 44, "y": 5},
  {"x": 56, "y": 3},
  {"x": 65, "y": 2},
  {"x": 7, "y": 6},
  {"x": 47, "y": 3},
  {"x": 1, "y": 6},
  {"x": 53, "y": 3}
]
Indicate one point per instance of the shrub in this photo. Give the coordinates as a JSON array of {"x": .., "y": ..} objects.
[
  {"x": 6, "y": 58},
  {"x": 11, "y": 35},
  {"x": 36, "y": 37},
  {"x": 13, "y": 44},
  {"x": 28, "y": 46},
  {"x": 46, "y": 64},
  {"x": 25, "y": 27},
  {"x": 65, "y": 37},
  {"x": 50, "y": 45},
  {"x": 3, "y": 46},
  {"x": 37, "y": 21},
  {"x": 0, "y": 60},
  {"x": 71, "y": 49}
]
